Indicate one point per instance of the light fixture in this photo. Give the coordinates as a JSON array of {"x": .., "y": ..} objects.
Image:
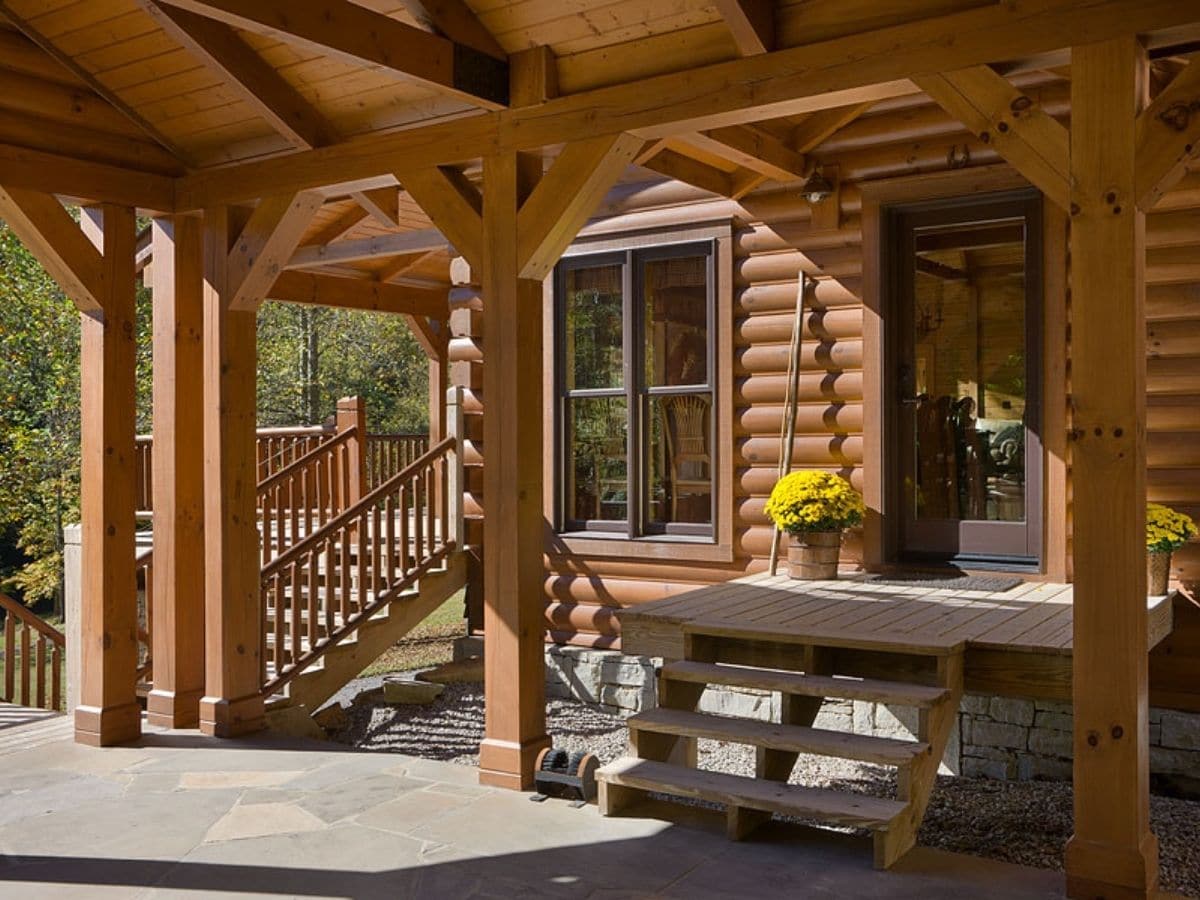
[{"x": 816, "y": 187}]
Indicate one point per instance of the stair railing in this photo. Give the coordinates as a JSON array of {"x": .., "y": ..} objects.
[
  {"x": 301, "y": 498},
  {"x": 144, "y": 569},
  {"x": 33, "y": 657},
  {"x": 388, "y": 454},
  {"x": 323, "y": 587}
]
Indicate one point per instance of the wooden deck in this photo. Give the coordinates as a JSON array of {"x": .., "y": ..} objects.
[{"x": 1017, "y": 642}]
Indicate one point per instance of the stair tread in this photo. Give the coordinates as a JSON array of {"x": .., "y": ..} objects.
[
  {"x": 918, "y": 644},
  {"x": 840, "y": 807},
  {"x": 896, "y": 692},
  {"x": 774, "y": 736}
]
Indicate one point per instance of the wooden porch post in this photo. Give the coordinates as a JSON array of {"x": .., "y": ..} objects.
[
  {"x": 108, "y": 712},
  {"x": 178, "y": 597},
  {"x": 352, "y": 413},
  {"x": 513, "y": 523},
  {"x": 232, "y": 704},
  {"x": 1112, "y": 854}
]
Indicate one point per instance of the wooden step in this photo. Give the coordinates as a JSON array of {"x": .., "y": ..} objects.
[
  {"x": 916, "y": 644},
  {"x": 836, "y": 807},
  {"x": 773, "y": 736},
  {"x": 896, "y": 693}
]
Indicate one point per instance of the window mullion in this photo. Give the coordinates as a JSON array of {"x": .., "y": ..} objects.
[{"x": 633, "y": 468}]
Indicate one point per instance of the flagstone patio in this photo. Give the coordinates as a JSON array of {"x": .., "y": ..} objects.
[{"x": 180, "y": 816}]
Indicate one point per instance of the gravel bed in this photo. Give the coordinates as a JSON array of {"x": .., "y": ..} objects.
[{"x": 1020, "y": 822}]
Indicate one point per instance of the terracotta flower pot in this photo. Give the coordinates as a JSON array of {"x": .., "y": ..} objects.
[
  {"x": 813, "y": 556},
  {"x": 1158, "y": 573}
]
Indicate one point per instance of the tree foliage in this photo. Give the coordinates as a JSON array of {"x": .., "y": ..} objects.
[{"x": 308, "y": 358}]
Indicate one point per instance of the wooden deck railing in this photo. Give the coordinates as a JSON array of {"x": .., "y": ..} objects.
[
  {"x": 33, "y": 657},
  {"x": 300, "y": 498},
  {"x": 388, "y": 454},
  {"x": 145, "y": 581},
  {"x": 322, "y": 588}
]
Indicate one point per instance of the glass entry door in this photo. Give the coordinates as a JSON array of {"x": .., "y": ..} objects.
[{"x": 966, "y": 276}]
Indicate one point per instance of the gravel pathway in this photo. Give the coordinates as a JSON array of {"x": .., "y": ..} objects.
[{"x": 1020, "y": 822}]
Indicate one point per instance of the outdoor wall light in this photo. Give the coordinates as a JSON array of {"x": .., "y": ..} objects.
[{"x": 816, "y": 187}]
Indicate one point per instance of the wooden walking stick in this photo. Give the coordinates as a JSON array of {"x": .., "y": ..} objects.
[{"x": 787, "y": 432}]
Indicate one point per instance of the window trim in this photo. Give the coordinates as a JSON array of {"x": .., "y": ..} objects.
[{"x": 714, "y": 547}]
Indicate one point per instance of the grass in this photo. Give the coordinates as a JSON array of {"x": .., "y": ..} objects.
[{"x": 429, "y": 644}]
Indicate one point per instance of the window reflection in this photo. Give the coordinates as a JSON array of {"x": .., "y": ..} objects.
[{"x": 594, "y": 300}]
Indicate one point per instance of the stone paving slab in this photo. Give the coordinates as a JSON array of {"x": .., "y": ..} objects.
[{"x": 180, "y": 816}]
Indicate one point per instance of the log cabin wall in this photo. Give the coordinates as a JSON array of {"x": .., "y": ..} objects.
[{"x": 773, "y": 243}]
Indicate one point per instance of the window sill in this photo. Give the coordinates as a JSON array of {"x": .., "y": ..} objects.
[{"x": 663, "y": 548}]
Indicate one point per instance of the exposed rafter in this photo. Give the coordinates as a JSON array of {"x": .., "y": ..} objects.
[
  {"x": 1168, "y": 136},
  {"x": 453, "y": 19},
  {"x": 221, "y": 49},
  {"x": 823, "y": 124},
  {"x": 683, "y": 168},
  {"x": 754, "y": 149},
  {"x": 751, "y": 22},
  {"x": 397, "y": 268},
  {"x": 382, "y": 204},
  {"x": 111, "y": 97},
  {"x": 336, "y": 227},
  {"x": 347, "y": 31},
  {"x": 853, "y": 69}
]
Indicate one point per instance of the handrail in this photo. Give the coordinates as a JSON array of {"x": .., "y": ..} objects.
[
  {"x": 32, "y": 619},
  {"x": 301, "y": 462},
  {"x": 348, "y": 515},
  {"x": 33, "y": 658}
]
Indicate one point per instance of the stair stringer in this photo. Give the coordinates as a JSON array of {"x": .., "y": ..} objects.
[
  {"x": 342, "y": 663},
  {"x": 915, "y": 783}
]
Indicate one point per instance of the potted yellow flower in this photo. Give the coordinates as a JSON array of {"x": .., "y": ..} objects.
[
  {"x": 1166, "y": 531},
  {"x": 814, "y": 508}
]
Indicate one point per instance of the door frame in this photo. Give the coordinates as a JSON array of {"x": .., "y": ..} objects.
[{"x": 881, "y": 525}]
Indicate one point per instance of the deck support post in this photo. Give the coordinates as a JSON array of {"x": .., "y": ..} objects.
[
  {"x": 1113, "y": 853},
  {"x": 108, "y": 712},
  {"x": 233, "y": 703},
  {"x": 352, "y": 414},
  {"x": 177, "y": 648},
  {"x": 513, "y": 571}
]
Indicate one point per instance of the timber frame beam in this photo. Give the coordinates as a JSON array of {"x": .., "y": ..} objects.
[
  {"x": 265, "y": 244},
  {"x": 1011, "y": 121},
  {"x": 833, "y": 73},
  {"x": 1168, "y": 136},
  {"x": 345, "y": 30}
]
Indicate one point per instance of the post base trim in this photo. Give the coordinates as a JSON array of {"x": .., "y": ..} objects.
[
  {"x": 105, "y": 726},
  {"x": 1098, "y": 870},
  {"x": 232, "y": 718},
  {"x": 509, "y": 764},
  {"x": 173, "y": 709}
]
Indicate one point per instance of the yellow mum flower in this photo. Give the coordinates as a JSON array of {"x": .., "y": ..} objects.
[
  {"x": 1166, "y": 529},
  {"x": 813, "y": 500}
]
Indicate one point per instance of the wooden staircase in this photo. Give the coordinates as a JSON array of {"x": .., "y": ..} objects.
[{"x": 801, "y": 668}]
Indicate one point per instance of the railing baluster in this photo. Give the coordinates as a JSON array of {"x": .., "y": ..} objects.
[
  {"x": 297, "y": 645},
  {"x": 311, "y": 564},
  {"x": 404, "y": 528},
  {"x": 431, "y": 508},
  {"x": 329, "y": 579},
  {"x": 344, "y": 579},
  {"x": 10, "y": 657},
  {"x": 56, "y": 676},
  {"x": 41, "y": 671},
  {"x": 25, "y": 665},
  {"x": 390, "y": 546},
  {"x": 363, "y": 523},
  {"x": 376, "y": 542},
  {"x": 279, "y": 656}
]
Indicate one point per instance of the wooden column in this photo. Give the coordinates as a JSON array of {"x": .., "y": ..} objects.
[
  {"x": 1112, "y": 853},
  {"x": 108, "y": 712},
  {"x": 513, "y": 520},
  {"x": 352, "y": 414},
  {"x": 178, "y": 640},
  {"x": 232, "y": 704}
]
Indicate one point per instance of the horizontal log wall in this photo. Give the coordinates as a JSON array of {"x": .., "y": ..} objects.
[{"x": 773, "y": 243}]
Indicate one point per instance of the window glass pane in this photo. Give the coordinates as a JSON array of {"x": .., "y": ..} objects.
[
  {"x": 970, "y": 371},
  {"x": 597, "y": 466},
  {"x": 675, "y": 304},
  {"x": 593, "y": 327},
  {"x": 679, "y": 471}
]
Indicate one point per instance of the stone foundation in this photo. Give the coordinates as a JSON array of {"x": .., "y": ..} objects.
[{"x": 996, "y": 737}]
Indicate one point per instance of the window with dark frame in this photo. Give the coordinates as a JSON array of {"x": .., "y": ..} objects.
[{"x": 636, "y": 383}]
